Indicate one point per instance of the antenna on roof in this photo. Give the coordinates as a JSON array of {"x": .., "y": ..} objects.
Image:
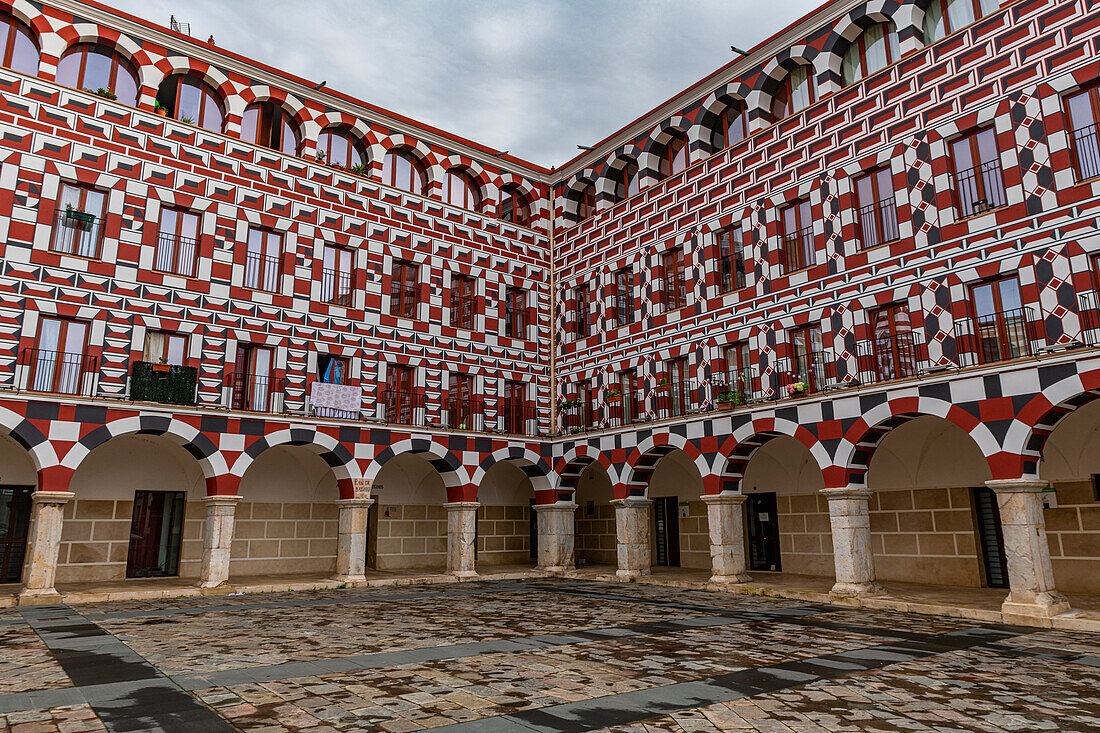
[
  {"x": 502, "y": 152},
  {"x": 738, "y": 51},
  {"x": 178, "y": 27},
  {"x": 585, "y": 147}
]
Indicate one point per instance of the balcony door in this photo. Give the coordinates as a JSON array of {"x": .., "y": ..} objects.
[
  {"x": 336, "y": 276},
  {"x": 164, "y": 348},
  {"x": 806, "y": 356},
  {"x": 58, "y": 362},
  {"x": 15, "y": 518},
  {"x": 1000, "y": 322},
  {"x": 892, "y": 341},
  {"x": 515, "y": 419},
  {"x": 80, "y": 220},
  {"x": 460, "y": 403},
  {"x": 253, "y": 379},
  {"x": 399, "y": 395},
  {"x": 679, "y": 394}
]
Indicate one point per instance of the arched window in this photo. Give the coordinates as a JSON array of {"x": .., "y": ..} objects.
[
  {"x": 944, "y": 17},
  {"x": 268, "y": 124},
  {"x": 513, "y": 206},
  {"x": 94, "y": 66},
  {"x": 795, "y": 93},
  {"x": 586, "y": 202},
  {"x": 190, "y": 99},
  {"x": 401, "y": 169},
  {"x": 340, "y": 148},
  {"x": 460, "y": 189},
  {"x": 626, "y": 181},
  {"x": 674, "y": 158},
  {"x": 873, "y": 50},
  {"x": 732, "y": 127},
  {"x": 20, "y": 50}
]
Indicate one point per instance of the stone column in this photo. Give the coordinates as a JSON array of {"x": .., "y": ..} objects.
[
  {"x": 632, "y": 534},
  {"x": 461, "y": 538},
  {"x": 351, "y": 540},
  {"x": 727, "y": 538},
  {"x": 555, "y": 535},
  {"x": 1030, "y": 575},
  {"x": 217, "y": 541},
  {"x": 43, "y": 546},
  {"x": 852, "y": 554}
]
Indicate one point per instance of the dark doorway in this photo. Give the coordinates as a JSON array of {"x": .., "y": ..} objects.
[
  {"x": 155, "y": 533},
  {"x": 372, "y": 534},
  {"x": 15, "y": 519},
  {"x": 763, "y": 532},
  {"x": 987, "y": 522},
  {"x": 534, "y": 532},
  {"x": 667, "y": 531}
]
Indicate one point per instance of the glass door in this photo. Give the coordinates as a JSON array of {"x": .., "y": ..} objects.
[
  {"x": 59, "y": 358},
  {"x": 1000, "y": 322},
  {"x": 892, "y": 338}
]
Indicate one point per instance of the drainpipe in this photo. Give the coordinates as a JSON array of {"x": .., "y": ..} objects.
[{"x": 553, "y": 315}]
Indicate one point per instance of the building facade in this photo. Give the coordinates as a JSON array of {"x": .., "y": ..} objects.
[{"x": 830, "y": 311}]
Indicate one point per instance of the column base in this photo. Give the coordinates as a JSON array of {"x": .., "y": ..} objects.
[
  {"x": 857, "y": 590},
  {"x": 1044, "y": 605},
  {"x": 730, "y": 579},
  {"x": 556, "y": 569},
  {"x": 631, "y": 574},
  {"x": 38, "y": 597},
  {"x": 465, "y": 574},
  {"x": 221, "y": 589},
  {"x": 351, "y": 579}
]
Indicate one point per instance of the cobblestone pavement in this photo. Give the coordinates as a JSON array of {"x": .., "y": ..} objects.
[{"x": 538, "y": 655}]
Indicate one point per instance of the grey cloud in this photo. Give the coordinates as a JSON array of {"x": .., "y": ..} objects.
[{"x": 532, "y": 77}]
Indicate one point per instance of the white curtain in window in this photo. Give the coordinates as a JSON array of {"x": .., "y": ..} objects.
[{"x": 154, "y": 347}]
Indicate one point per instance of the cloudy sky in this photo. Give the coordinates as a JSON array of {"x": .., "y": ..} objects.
[{"x": 534, "y": 77}]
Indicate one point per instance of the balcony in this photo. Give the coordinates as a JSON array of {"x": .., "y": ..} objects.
[
  {"x": 77, "y": 233},
  {"x": 1086, "y": 150},
  {"x": 177, "y": 255},
  {"x": 676, "y": 399},
  {"x": 515, "y": 324},
  {"x": 402, "y": 300},
  {"x": 60, "y": 372},
  {"x": 256, "y": 392},
  {"x": 462, "y": 311},
  {"x": 816, "y": 370},
  {"x": 261, "y": 272},
  {"x": 878, "y": 223},
  {"x": 798, "y": 250},
  {"x": 465, "y": 413},
  {"x": 163, "y": 383},
  {"x": 999, "y": 336},
  {"x": 337, "y": 287},
  {"x": 891, "y": 356},
  {"x": 401, "y": 407},
  {"x": 336, "y": 401},
  {"x": 518, "y": 418},
  {"x": 980, "y": 189}
]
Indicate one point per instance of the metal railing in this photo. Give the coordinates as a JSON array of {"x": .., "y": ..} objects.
[
  {"x": 1086, "y": 149},
  {"x": 77, "y": 233},
  {"x": 256, "y": 392},
  {"x": 164, "y": 383},
  {"x": 463, "y": 309},
  {"x": 881, "y": 216},
  {"x": 518, "y": 418},
  {"x": 177, "y": 255},
  {"x": 798, "y": 249},
  {"x": 337, "y": 287},
  {"x": 995, "y": 337},
  {"x": 1088, "y": 309},
  {"x": 676, "y": 399},
  {"x": 261, "y": 272},
  {"x": 980, "y": 188},
  {"x": 60, "y": 372},
  {"x": 626, "y": 408},
  {"x": 401, "y": 407},
  {"x": 465, "y": 413},
  {"x": 815, "y": 370},
  {"x": 893, "y": 356}
]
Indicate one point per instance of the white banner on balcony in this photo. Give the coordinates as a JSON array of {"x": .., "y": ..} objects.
[{"x": 336, "y": 400}]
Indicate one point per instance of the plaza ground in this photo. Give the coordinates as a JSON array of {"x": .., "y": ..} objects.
[{"x": 538, "y": 654}]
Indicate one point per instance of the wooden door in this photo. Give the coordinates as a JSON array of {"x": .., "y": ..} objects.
[
  {"x": 666, "y": 531},
  {"x": 15, "y": 517},
  {"x": 763, "y": 532}
]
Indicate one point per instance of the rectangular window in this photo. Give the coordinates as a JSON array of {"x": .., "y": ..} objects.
[
  {"x": 798, "y": 237},
  {"x": 672, "y": 262},
  {"x": 630, "y": 399},
  {"x": 337, "y": 276},
  {"x": 624, "y": 297},
  {"x": 979, "y": 186},
  {"x": 460, "y": 402},
  {"x": 877, "y": 219},
  {"x": 178, "y": 242},
  {"x": 403, "y": 281},
  {"x": 332, "y": 369},
  {"x": 463, "y": 301},
  {"x": 1083, "y": 110},
  {"x": 515, "y": 407},
  {"x": 263, "y": 257},
  {"x": 679, "y": 393},
  {"x": 398, "y": 395},
  {"x": 79, "y": 228},
  {"x": 731, "y": 259},
  {"x": 1000, "y": 320},
  {"x": 582, "y": 313},
  {"x": 162, "y": 347},
  {"x": 515, "y": 312},
  {"x": 57, "y": 362},
  {"x": 807, "y": 358},
  {"x": 254, "y": 378},
  {"x": 738, "y": 371},
  {"x": 893, "y": 346}
]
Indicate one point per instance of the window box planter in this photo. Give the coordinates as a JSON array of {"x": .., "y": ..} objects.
[
  {"x": 79, "y": 219},
  {"x": 160, "y": 367},
  {"x": 730, "y": 400},
  {"x": 665, "y": 387},
  {"x": 798, "y": 389}
]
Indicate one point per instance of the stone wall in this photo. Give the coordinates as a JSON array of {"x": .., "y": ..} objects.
[
  {"x": 805, "y": 536},
  {"x": 595, "y": 535},
  {"x": 284, "y": 538},
  {"x": 504, "y": 535},
  {"x": 408, "y": 536},
  {"x": 1073, "y": 530}
]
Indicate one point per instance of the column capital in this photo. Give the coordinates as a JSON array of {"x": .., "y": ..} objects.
[
  {"x": 52, "y": 497},
  {"x": 454, "y": 506},
  {"x": 562, "y": 507},
  {"x": 1017, "y": 485},
  {"x": 847, "y": 492},
  {"x": 351, "y": 503},
  {"x": 723, "y": 499},
  {"x": 632, "y": 502},
  {"x": 223, "y": 499}
]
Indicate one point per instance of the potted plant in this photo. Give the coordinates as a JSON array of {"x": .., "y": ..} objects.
[
  {"x": 798, "y": 388},
  {"x": 612, "y": 395},
  {"x": 161, "y": 366},
  {"x": 159, "y": 109},
  {"x": 729, "y": 399},
  {"x": 321, "y": 157},
  {"x": 106, "y": 94},
  {"x": 574, "y": 430},
  {"x": 186, "y": 120},
  {"x": 359, "y": 169},
  {"x": 662, "y": 383},
  {"x": 78, "y": 219}
]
